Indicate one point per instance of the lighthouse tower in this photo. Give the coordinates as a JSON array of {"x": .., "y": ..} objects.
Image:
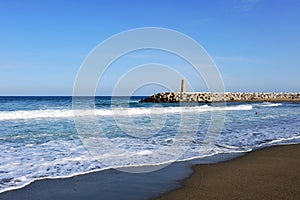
[{"x": 182, "y": 86}]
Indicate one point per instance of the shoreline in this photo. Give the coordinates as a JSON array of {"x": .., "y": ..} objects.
[
  {"x": 269, "y": 173},
  {"x": 173, "y": 182}
]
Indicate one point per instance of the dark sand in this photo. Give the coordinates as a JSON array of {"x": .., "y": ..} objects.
[{"x": 272, "y": 173}]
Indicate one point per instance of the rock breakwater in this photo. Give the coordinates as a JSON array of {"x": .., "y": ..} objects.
[{"x": 206, "y": 97}]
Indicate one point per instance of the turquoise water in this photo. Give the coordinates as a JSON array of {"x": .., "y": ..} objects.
[{"x": 39, "y": 139}]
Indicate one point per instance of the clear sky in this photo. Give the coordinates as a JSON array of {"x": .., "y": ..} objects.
[{"x": 254, "y": 43}]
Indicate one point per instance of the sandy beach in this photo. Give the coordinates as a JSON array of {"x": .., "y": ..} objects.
[{"x": 272, "y": 173}]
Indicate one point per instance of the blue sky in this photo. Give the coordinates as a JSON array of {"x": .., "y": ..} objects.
[{"x": 254, "y": 43}]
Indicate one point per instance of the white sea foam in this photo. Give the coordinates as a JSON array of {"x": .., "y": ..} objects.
[
  {"x": 69, "y": 159},
  {"x": 34, "y": 114},
  {"x": 289, "y": 140},
  {"x": 62, "y": 164},
  {"x": 23, "y": 161},
  {"x": 38, "y": 114},
  {"x": 268, "y": 104}
]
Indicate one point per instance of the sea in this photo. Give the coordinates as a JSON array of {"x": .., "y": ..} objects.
[{"x": 44, "y": 137}]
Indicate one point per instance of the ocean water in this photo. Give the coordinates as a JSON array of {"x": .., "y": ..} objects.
[{"x": 39, "y": 138}]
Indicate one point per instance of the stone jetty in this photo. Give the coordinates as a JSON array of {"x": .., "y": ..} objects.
[{"x": 206, "y": 97}]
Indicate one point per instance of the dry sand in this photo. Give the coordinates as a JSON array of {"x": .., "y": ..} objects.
[{"x": 272, "y": 173}]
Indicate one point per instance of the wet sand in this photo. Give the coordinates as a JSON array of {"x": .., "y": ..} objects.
[{"x": 272, "y": 173}]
